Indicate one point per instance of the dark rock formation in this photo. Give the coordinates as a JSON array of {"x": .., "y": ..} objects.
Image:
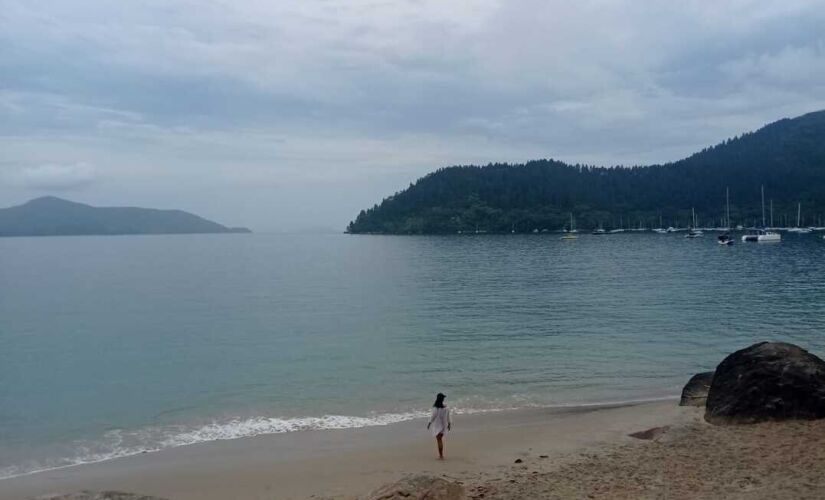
[
  {"x": 695, "y": 392},
  {"x": 652, "y": 433},
  {"x": 767, "y": 381},
  {"x": 99, "y": 495},
  {"x": 419, "y": 487}
]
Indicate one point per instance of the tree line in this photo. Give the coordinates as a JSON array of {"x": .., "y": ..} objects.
[{"x": 786, "y": 157}]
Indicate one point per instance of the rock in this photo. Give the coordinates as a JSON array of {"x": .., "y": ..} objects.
[
  {"x": 419, "y": 487},
  {"x": 99, "y": 495},
  {"x": 695, "y": 392},
  {"x": 651, "y": 433},
  {"x": 518, "y": 461},
  {"x": 767, "y": 381}
]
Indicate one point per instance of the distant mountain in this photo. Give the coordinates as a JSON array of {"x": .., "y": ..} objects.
[
  {"x": 787, "y": 157},
  {"x": 50, "y": 216}
]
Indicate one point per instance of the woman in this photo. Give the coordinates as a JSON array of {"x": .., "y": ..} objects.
[{"x": 440, "y": 423}]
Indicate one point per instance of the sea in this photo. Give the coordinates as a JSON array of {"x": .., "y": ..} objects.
[{"x": 118, "y": 345}]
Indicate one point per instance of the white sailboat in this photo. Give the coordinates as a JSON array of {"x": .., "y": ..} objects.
[
  {"x": 660, "y": 230},
  {"x": 571, "y": 234},
  {"x": 799, "y": 229},
  {"x": 692, "y": 232},
  {"x": 761, "y": 235}
]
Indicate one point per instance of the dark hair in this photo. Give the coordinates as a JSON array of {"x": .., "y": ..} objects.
[{"x": 439, "y": 400}]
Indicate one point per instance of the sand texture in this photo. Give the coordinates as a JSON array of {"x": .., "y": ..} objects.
[
  {"x": 696, "y": 460},
  {"x": 563, "y": 453}
]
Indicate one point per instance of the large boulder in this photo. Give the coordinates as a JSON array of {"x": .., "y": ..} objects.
[
  {"x": 767, "y": 381},
  {"x": 419, "y": 487},
  {"x": 695, "y": 392}
]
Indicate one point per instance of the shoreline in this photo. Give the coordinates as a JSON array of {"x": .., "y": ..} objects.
[
  {"x": 346, "y": 462},
  {"x": 380, "y": 420}
]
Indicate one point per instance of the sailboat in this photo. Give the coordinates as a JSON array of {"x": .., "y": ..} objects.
[
  {"x": 571, "y": 234},
  {"x": 724, "y": 238},
  {"x": 799, "y": 229},
  {"x": 660, "y": 230},
  {"x": 619, "y": 229},
  {"x": 693, "y": 233},
  {"x": 762, "y": 235}
]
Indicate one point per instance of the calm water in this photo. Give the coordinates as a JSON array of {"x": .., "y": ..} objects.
[{"x": 114, "y": 345}]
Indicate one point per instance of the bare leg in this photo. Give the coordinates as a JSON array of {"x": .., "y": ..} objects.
[{"x": 440, "y": 446}]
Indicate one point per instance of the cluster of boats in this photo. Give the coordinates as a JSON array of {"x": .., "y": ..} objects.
[{"x": 755, "y": 235}]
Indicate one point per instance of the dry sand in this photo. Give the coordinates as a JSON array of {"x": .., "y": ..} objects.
[
  {"x": 693, "y": 461},
  {"x": 564, "y": 453}
]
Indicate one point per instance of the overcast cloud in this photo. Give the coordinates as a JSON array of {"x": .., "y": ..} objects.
[{"x": 296, "y": 114}]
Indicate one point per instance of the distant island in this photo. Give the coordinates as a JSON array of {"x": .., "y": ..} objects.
[
  {"x": 51, "y": 216},
  {"x": 787, "y": 157}
]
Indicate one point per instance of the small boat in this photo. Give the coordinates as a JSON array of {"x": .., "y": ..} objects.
[
  {"x": 762, "y": 236},
  {"x": 659, "y": 229},
  {"x": 599, "y": 231},
  {"x": 692, "y": 232},
  {"x": 724, "y": 239},
  {"x": 571, "y": 234},
  {"x": 798, "y": 229}
]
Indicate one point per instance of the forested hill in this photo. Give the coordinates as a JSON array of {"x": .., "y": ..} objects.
[
  {"x": 50, "y": 216},
  {"x": 787, "y": 157}
]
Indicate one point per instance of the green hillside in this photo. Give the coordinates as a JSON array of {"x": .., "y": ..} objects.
[{"x": 787, "y": 157}]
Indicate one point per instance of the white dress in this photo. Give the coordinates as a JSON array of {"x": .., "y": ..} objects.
[{"x": 440, "y": 421}]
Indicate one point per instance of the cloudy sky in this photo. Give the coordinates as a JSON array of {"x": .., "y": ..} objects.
[{"x": 295, "y": 114}]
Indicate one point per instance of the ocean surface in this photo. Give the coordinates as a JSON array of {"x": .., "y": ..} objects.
[{"x": 111, "y": 346}]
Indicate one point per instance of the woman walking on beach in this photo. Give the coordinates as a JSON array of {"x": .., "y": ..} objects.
[{"x": 440, "y": 423}]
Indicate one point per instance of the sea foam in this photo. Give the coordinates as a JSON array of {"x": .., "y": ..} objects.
[{"x": 120, "y": 443}]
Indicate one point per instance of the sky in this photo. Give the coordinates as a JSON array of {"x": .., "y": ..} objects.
[{"x": 293, "y": 115}]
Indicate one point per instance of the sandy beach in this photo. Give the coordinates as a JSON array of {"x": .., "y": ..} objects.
[
  {"x": 348, "y": 463},
  {"x": 582, "y": 452}
]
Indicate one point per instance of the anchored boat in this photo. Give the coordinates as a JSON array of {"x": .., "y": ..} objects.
[{"x": 762, "y": 236}]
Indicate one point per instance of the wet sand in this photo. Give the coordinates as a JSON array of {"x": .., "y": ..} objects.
[{"x": 347, "y": 463}]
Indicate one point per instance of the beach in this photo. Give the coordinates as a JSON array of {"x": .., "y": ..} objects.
[
  {"x": 577, "y": 452},
  {"x": 352, "y": 462}
]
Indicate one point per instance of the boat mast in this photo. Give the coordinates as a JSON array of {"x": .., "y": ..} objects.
[
  {"x": 798, "y": 213},
  {"x": 727, "y": 207},
  {"x": 763, "y": 206},
  {"x": 771, "y": 212}
]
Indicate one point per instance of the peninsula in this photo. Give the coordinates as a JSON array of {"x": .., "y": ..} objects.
[{"x": 787, "y": 157}]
